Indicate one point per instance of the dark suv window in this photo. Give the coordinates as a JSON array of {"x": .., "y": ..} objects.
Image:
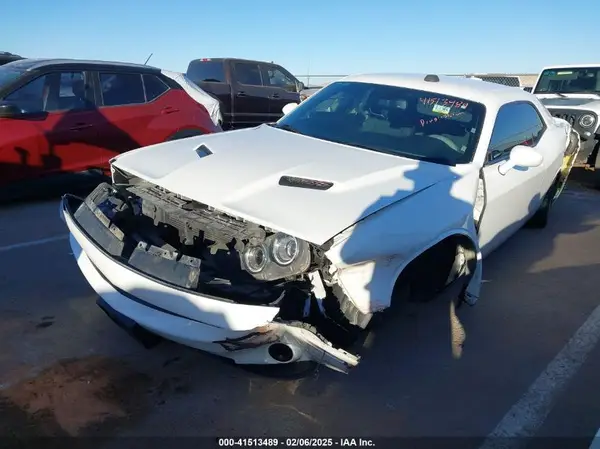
[
  {"x": 516, "y": 124},
  {"x": 155, "y": 87},
  {"x": 121, "y": 89},
  {"x": 206, "y": 71},
  {"x": 248, "y": 73}
]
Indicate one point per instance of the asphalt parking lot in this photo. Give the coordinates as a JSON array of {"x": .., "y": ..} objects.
[{"x": 528, "y": 364}]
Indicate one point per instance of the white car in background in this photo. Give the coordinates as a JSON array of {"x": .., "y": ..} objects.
[
  {"x": 572, "y": 92},
  {"x": 278, "y": 244},
  {"x": 211, "y": 104}
]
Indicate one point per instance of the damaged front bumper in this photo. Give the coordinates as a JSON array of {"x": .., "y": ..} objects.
[{"x": 247, "y": 334}]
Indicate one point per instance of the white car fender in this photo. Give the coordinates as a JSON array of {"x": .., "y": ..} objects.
[{"x": 369, "y": 257}]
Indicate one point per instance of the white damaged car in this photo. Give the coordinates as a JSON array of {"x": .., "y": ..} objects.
[{"x": 279, "y": 244}]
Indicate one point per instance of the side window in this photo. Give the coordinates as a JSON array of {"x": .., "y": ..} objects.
[
  {"x": 516, "y": 124},
  {"x": 248, "y": 73},
  {"x": 30, "y": 97},
  {"x": 53, "y": 92},
  {"x": 119, "y": 89},
  {"x": 154, "y": 86},
  {"x": 206, "y": 71},
  {"x": 278, "y": 78},
  {"x": 72, "y": 93}
]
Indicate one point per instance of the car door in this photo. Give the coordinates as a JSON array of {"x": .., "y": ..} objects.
[
  {"x": 72, "y": 130},
  {"x": 250, "y": 96},
  {"x": 510, "y": 199},
  {"x": 284, "y": 89},
  {"x": 59, "y": 111},
  {"x": 125, "y": 115}
]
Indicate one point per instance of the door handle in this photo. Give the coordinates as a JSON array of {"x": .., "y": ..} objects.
[
  {"x": 169, "y": 110},
  {"x": 241, "y": 94},
  {"x": 275, "y": 96},
  {"x": 80, "y": 127}
]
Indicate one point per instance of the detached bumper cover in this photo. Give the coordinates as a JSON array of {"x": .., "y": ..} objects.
[
  {"x": 569, "y": 160},
  {"x": 237, "y": 331}
]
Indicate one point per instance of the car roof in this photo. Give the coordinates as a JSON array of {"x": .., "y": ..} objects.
[
  {"x": 485, "y": 92},
  {"x": 254, "y": 61},
  {"x": 594, "y": 65},
  {"x": 38, "y": 63}
]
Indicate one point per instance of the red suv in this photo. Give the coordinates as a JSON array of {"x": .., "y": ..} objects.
[{"x": 60, "y": 119}]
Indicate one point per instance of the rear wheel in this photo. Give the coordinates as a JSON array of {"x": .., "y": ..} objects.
[{"x": 541, "y": 217}]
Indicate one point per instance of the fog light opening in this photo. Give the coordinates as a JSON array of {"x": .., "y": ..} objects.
[{"x": 281, "y": 352}]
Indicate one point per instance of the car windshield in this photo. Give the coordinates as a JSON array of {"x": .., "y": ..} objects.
[
  {"x": 8, "y": 75},
  {"x": 583, "y": 80},
  {"x": 394, "y": 120}
]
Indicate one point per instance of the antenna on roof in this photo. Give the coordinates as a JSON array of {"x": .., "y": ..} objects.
[
  {"x": 148, "y": 59},
  {"x": 308, "y": 73}
]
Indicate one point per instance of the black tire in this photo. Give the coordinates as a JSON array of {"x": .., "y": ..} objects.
[
  {"x": 184, "y": 134},
  {"x": 541, "y": 217}
]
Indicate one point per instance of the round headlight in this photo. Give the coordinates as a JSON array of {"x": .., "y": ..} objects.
[
  {"x": 255, "y": 258},
  {"x": 285, "y": 249},
  {"x": 587, "y": 120}
]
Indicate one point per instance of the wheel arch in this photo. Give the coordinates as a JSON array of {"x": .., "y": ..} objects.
[{"x": 451, "y": 241}]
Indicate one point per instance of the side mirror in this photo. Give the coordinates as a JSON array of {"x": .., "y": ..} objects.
[
  {"x": 9, "y": 110},
  {"x": 289, "y": 108},
  {"x": 301, "y": 86},
  {"x": 521, "y": 156}
]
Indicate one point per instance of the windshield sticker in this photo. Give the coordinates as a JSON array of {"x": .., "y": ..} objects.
[
  {"x": 424, "y": 122},
  {"x": 444, "y": 102},
  {"x": 441, "y": 109},
  {"x": 428, "y": 101}
]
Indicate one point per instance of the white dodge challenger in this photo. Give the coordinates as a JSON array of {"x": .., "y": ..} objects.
[{"x": 278, "y": 244}]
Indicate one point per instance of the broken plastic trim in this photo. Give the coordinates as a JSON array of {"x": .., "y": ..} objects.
[{"x": 67, "y": 199}]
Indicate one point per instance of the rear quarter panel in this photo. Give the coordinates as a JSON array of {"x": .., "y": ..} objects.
[{"x": 189, "y": 115}]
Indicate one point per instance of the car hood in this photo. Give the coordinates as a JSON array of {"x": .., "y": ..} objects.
[
  {"x": 571, "y": 102},
  {"x": 240, "y": 173}
]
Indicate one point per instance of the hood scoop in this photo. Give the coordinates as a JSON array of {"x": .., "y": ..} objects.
[
  {"x": 304, "y": 183},
  {"x": 203, "y": 151}
]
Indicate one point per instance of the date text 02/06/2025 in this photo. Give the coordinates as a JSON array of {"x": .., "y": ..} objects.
[{"x": 295, "y": 442}]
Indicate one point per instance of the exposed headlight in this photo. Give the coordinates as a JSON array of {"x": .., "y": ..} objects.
[
  {"x": 281, "y": 255},
  {"x": 255, "y": 258},
  {"x": 587, "y": 120},
  {"x": 284, "y": 249}
]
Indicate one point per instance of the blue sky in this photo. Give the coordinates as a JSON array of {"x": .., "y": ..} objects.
[{"x": 329, "y": 36}]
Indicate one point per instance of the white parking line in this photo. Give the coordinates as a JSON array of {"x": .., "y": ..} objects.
[
  {"x": 56, "y": 238},
  {"x": 528, "y": 414},
  {"x": 596, "y": 441}
]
